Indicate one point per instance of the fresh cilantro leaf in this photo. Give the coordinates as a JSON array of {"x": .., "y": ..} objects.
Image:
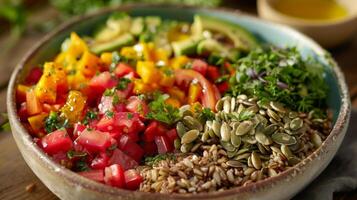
[
  {"x": 123, "y": 83},
  {"x": 152, "y": 160},
  {"x": 109, "y": 114},
  {"x": 54, "y": 122},
  {"x": 90, "y": 115},
  {"x": 161, "y": 111},
  {"x": 109, "y": 92},
  {"x": 206, "y": 114},
  {"x": 130, "y": 115}
]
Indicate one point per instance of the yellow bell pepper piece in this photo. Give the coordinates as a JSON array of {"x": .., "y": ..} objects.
[
  {"x": 194, "y": 92},
  {"x": 129, "y": 52},
  {"x": 173, "y": 102},
  {"x": 88, "y": 64},
  {"x": 46, "y": 88},
  {"x": 106, "y": 58},
  {"x": 74, "y": 106},
  {"x": 167, "y": 77},
  {"x": 148, "y": 72},
  {"x": 77, "y": 46},
  {"x": 148, "y": 51},
  {"x": 177, "y": 93},
  {"x": 161, "y": 55},
  {"x": 37, "y": 121},
  {"x": 179, "y": 62},
  {"x": 141, "y": 88},
  {"x": 21, "y": 92}
]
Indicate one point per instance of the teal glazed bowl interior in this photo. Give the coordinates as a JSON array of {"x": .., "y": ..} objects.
[{"x": 68, "y": 185}]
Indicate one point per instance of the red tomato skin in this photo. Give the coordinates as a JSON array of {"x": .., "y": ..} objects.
[
  {"x": 100, "y": 161},
  {"x": 114, "y": 176},
  {"x": 172, "y": 135},
  {"x": 56, "y": 141},
  {"x": 163, "y": 144},
  {"x": 152, "y": 130},
  {"x": 22, "y": 112},
  {"x": 150, "y": 148},
  {"x": 133, "y": 179},
  {"x": 123, "y": 69},
  {"x": 200, "y": 66},
  {"x": 96, "y": 175},
  {"x": 223, "y": 87},
  {"x": 213, "y": 73},
  {"x": 78, "y": 129},
  {"x": 128, "y": 122},
  {"x": 101, "y": 82},
  {"x": 119, "y": 157},
  {"x": 94, "y": 141},
  {"x": 106, "y": 104},
  {"x": 125, "y": 93},
  {"x": 106, "y": 124},
  {"x": 136, "y": 105},
  {"x": 130, "y": 148},
  {"x": 34, "y": 76}
]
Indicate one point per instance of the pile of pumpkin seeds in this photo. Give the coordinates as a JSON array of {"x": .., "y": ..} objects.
[{"x": 256, "y": 139}]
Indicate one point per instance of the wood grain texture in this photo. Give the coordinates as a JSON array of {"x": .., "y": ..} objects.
[{"x": 15, "y": 175}]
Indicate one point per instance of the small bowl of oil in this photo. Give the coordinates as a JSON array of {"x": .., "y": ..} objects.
[{"x": 329, "y": 22}]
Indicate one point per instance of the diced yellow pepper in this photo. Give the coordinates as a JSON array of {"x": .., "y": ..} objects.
[
  {"x": 148, "y": 51},
  {"x": 46, "y": 88},
  {"x": 88, "y": 64},
  {"x": 37, "y": 121},
  {"x": 173, "y": 102},
  {"x": 129, "y": 52},
  {"x": 177, "y": 93},
  {"x": 148, "y": 72},
  {"x": 76, "y": 80},
  {"x": 141, "y": 88},
  {"x": 194, "y": 93},
  {"x": 77, "y": 46},
  {"x": 74, "y": 106},
  {"x": 106, "y": 58},
  {"x": 60, "y": 58},
  {"x": 161, "y": 55},
  {"x": 167, "y": 77},
  {"x": 21, "y": 92},
  {"x": 179, "y": 62}
]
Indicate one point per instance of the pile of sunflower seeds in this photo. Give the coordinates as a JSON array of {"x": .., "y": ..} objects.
[{"x": 248, "y": 140}]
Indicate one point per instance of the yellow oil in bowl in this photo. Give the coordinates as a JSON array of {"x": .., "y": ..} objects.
[{"x": 318, "y": 10}]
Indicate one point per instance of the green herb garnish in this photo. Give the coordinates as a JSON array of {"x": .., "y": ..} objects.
[
  {"x": 123, "y": 83},
  {"x": 206, "y": 114},
  {"x": 109, "y": 114},
  {"x": 75, "y": 154},
  {"x": 161, "y": 111},
  {"x": 54, "y": 122},
  {"x": 152, "y": 160},
  {"x": 90, "y": 115}
]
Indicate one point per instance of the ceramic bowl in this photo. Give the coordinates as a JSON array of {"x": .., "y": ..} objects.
[
  {"x": 68, "y": 185},
  {"x": 327, "y": 33}
]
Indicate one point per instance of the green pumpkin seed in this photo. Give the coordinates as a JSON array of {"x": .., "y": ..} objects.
[
  {"x": 225, "y": 132},
  {"x": 242, "y": 151},
  {"x": 255, "y": 159},
  {"x": 262, "y": 138},
  {"x": 296, "y": 123},
  {"x": 185, "y": 148},
  {"x": 277, "y": 107},
  {"x": 270, "y": 129},
  {"x": 262, "y": 149},
  {"x": 227, "y": 106},
  {"x": 177, "y": 143},
  {"x": 242, "y": 97},
  {"x": 240, "y": 109},
  {"x": 228, "y": 146},
  {"x": 235, "y": 140},
  {"x": 263, "y": 104},
  {"x": 233, "y": 104},
  {"x": 235, "y": 163},
  {"x": 205, "y": 136},
  {"x": 250, "y": 139},
  {"x": 219, "y": 105},
  {"x": 181, "y": 129},
  {"x": 244, "y": 128},
  {"x": 293, "y": 160},
  {"x": 190, "y": 136},
  {"x": 283, "y": 138},
  {"x": 195, "y": 147},
  {"x": 273, "y": 115},
  {"x": 286, "y": 151},
  {"x": 192, "y": 123},
  {"x": 293, "y": 115},
  {"x": 231, "y": 154},
  {"x": 216, "y": 127},
  {"x": 242, "y": 156}
]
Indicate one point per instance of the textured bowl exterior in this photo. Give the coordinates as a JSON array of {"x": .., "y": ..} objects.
[{"x": 69, "y": 185}]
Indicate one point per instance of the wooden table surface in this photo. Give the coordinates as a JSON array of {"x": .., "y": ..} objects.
[{"x": 15, "y": 175}]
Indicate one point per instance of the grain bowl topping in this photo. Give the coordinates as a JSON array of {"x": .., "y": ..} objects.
[{"x": 158, "y": 105}]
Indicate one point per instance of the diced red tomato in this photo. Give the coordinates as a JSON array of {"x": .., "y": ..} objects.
[
  {"x": 136, "y": 105},
  {"x": 106, "y": 104},
  {"x": 101, "y": 82},
  {"x": 100, "y": 161},
  {"x": 186, "y": 75},
  {"x": 22, "y": 112},
  {"x": 128, "y": 122},
  {"x": 94, "y": 141},
  {"x": 125, "y": 93},
  {"x": 78, "y": 129},
  {"x": 223, "y": 87},
  {"x": 133, "y": 179},
  {"x": 200, "y": 66},
  {"x": 106, "y": 124},
  {"x": 62, "y": 158},
  {"x": 114, "y": 176},
  {"x": 34, "y": 76},
  {"x": 123, "y": 69},
  {"x": 213, "y": 73},
  {"x": 56, "y": 141},
  {"x": 150, "y": 148},
  {"x": 119, "y": 157},
  {"x": 172, "y": 135},
  {"x": 96, "y": 175},
  {"x": 152, "y": 130},
  {"x": 131, "y": 148},
  {"x": 163, "y": 144}
]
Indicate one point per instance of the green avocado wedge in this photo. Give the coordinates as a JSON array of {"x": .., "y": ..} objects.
[{"x": 116, "y": 43}]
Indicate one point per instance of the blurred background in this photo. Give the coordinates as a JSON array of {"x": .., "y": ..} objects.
[{"x": 24, "y": 22}]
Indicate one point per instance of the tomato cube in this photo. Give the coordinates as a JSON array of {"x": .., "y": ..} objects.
[
  {"x": 128, "y": 122},
  {"x": 56, "y": 141},
  {"x": 152, "y": 130},
  {"x": 200, "y": 66},
  {"x": 172, "y": 135},
  {"x": 119, "y": 157},
  {"x": 163, "y": 144},
  {"x": 101, "y": 82},
  {"x": 114, "y": 176},
  {"x": 94, "y": 141},
  {"x": 106, "y": 104},
  {"x": 34, "y": 76},
  {"x": 150, "y": 148},
  {"x": 133, "y": 179},
  {"x": 213, "y": 73},
  {"x": 136, "y": 105},
  {"x": 96, "y": 175},
  {"x": 106, "y": 124},
  {"x": 223, "y": 87},
  {"x": 78, "y": 129},
  {"x": 122, "y": 69},
  {"x": 130, "y": 148},
  {"x": 100, "y": 161}
]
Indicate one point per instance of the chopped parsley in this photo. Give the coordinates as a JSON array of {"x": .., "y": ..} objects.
[
  {"x": 90, "y": 115},
  {"x": 282, "y": 75},
  {"x": 123, "y": 83},
  {"x": 109, "y": 114},
  {"x": 152, "y": 160},
  {"x": 206, "y": 114},
  {"x": 109, "y": 92},
  {"x": 130, "y": 115},
  {"x": 75, "y": 154},
  {"x": 161, "y": 111},
  {"x": 115, "y": 60},
  {"x": 54, "y": 122}
]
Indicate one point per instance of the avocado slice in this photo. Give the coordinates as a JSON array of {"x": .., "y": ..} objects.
[
  {"x": 137, "y": 26},
  {"x": 116, "y": 25},
  {"x": 187, "y": 46},
  {"x": 211, "y": 45},
  {"x": 241, "y": 38},
  {"x": 116, "y": 43}
]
